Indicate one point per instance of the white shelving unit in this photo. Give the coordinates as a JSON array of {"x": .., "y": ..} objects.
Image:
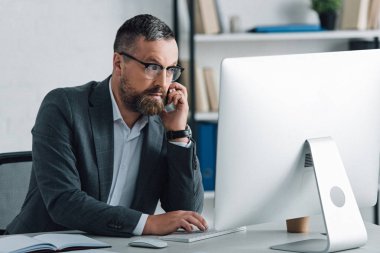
[
  {"x": 206, "y": 116},
  {"x": 323, "y": 35},
  {"x": 209, "y": 194}
]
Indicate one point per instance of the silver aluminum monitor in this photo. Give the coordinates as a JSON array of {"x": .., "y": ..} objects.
[{"x": 269, "y": 107}]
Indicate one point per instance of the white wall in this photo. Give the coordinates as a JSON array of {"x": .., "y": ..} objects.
[
  {"x": 46, "y": 44},
  {"x": 273, "y": 12}
]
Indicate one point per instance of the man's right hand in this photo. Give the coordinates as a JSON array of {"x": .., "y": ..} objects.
[{"x": 170, "y": 222}]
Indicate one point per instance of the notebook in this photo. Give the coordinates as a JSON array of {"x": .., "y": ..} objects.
[{"x": 48, "y": 243}]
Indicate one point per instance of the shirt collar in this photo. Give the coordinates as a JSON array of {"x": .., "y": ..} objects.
[{"x": 115, "y": 108}]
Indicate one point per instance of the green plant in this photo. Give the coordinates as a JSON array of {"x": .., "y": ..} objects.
[{"x": 323, "y": 6}]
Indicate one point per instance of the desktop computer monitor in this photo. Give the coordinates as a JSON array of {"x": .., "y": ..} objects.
[{"x": 269, "y": 107}]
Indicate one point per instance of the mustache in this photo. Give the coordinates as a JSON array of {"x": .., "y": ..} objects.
[{"x": 154, "y": 89}]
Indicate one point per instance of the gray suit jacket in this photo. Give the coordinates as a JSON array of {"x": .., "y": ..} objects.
[{"x": 73, "y": 167}]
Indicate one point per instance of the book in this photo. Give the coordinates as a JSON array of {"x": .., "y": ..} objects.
[
  {"x": 373, "y": 14},
  {"x": 286, "y": 28},
  {"x": 206, "y": 145},
  {"x": 355, "y": 14},
  {"x": 201, "y": 100},
  {"x": 207, "y": 20},
  {"x": 48, "y": 243},
  {"x": 198, "y": 24},
  {"x": 212, "y": 88}
]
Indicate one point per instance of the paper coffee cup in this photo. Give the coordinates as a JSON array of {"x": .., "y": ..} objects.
[{"x": 298, "y": 225}]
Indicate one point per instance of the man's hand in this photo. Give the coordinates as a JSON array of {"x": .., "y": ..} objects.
[
  {"x": 166, "y": 223},
  {"x": 177, "y": 119}
]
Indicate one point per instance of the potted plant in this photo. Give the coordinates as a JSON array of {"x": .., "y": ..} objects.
[{"x": 327, "y": 12}]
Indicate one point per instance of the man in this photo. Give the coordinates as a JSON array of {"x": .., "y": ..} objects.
[{"x": 104, "y": 153}]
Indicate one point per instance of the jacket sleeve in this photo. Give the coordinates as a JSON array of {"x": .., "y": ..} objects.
[
  {"x": 184, "y": 189},
  {"x": 58, "y": 175}
]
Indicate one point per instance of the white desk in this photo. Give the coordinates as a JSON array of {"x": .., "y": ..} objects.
[{"x": 256, "y": 239}]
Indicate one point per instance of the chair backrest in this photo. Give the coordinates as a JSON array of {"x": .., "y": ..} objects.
[{"x": 15, "y": 170}]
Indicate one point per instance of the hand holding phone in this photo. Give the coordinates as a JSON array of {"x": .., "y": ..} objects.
[{"x": 176, "y": 108}]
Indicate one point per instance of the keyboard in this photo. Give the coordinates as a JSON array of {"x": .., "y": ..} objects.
[{"x": 197, "y": 235}]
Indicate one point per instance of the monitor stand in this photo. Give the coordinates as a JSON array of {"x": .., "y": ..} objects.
[{"x": 344, "y": 225}]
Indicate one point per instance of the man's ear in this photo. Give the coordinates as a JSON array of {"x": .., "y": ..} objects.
[{"x": 117, "y": 62}]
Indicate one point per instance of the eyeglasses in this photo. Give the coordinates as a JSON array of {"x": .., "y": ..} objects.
[{"x": 152, "y": 70}]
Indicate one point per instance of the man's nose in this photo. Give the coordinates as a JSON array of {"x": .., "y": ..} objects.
[{"x": 162, "y": 79}]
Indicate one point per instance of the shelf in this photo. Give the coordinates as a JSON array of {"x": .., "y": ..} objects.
[
  {"x": 209, "y": 194},
  {"x": 206, "y": 116},
  {"x": 323, "y": 35}
]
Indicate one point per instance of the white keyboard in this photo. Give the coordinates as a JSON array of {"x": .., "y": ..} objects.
[{"x": 183, "y": 236}]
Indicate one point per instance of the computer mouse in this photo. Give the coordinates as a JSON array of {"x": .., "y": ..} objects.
[{"x": 146, "y": 242}]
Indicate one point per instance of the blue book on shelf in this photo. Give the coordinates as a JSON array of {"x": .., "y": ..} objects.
[
  {"x": 286, "y": 28},
  {"x": 206, "y": 149}
]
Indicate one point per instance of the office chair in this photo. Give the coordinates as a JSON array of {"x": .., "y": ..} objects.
[{"x": 15, "y": 170}]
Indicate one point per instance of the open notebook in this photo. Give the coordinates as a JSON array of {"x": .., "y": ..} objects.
[
  {"x": 48, "y": 243},
  {"x": 197, "y": 235}
]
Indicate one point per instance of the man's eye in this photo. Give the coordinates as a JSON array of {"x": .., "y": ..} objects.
[
  {"x": 154, "y": 67},
  {"x": 172, "y": 70}
]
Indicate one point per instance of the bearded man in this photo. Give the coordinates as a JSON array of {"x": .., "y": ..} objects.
[{"x": 105, "y": 153}]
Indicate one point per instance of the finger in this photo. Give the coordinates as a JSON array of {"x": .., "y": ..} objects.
[
  {"x": 170, "y": 95},
  {"x": 197, "y": 216},
  {"x": 201, "y": 219},
  {"x": 178, "y": 98},
  {"x": 179, "y": 87},
  {"x": 183, "y": 96},
  {"x": 186, "y": 225},
  {"x": 173, "y": 96},
  {"x": 196, "y": 222}
]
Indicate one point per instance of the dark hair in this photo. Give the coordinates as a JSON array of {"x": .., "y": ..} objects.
[{"x": 148, "y": 26}]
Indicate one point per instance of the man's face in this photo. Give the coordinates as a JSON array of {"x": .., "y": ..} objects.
[{"x": 139, "y": 91}]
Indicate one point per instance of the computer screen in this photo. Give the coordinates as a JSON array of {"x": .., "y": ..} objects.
[{"x": 269, "y": 106}]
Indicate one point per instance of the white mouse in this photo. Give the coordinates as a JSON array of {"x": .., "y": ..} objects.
[{"x": 146, "y": 242}]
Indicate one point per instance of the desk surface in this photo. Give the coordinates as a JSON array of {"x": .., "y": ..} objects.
[{"x": 257, "y": 238}]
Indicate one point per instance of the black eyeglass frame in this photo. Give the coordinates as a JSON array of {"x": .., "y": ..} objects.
[{"x": 147, "y": 64}]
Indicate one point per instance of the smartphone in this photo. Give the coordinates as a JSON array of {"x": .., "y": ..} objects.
[{"x": 169, "y": 107}]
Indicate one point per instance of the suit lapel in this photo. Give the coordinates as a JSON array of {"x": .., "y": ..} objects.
[
  {"x": 102, "y": 128},
  {"x": 151, "y": 149}
]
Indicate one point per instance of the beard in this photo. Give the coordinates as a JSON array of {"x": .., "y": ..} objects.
[{"x": 141, "y": 102}]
